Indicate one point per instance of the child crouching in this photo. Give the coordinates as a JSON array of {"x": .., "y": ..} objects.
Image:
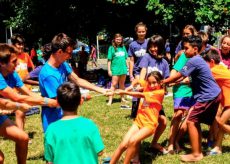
[{"x": 146, "y": 121}]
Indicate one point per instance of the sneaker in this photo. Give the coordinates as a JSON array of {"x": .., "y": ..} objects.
[
  {"x": 125, "y": 107},
  {"x": 33, "y": 110}
]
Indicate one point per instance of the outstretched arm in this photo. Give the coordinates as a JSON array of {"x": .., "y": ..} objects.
[
  {"x": 87, "y": 85},
  {"x": 134, "y": 94},
  {"x": 173, "y": 78}
]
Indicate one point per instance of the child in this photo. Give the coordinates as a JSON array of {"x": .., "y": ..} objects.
[
  {"x": 25, "y": 65},
  {"x": 183, "y": 100},
  {"x": 93, "y": 55},
  {"x": 225, "y": 50},
  {"x": 137, "y": 49},
  {"x": 146, "y": 121},
  {"x": 187, "y": 31},
  {"x": 205, "y": 92},
  {"x": 153, "y": 61},
  {"x": 73, "y": 138},
  {"x": 10, "y": 131},
  {"x": 222, "y": 77},
  {"x": 117, "y": 65}
]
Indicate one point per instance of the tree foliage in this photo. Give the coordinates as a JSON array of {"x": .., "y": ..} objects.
[
  {"x": 85, "y": 19},
  {"x": 212, "y": 12}
]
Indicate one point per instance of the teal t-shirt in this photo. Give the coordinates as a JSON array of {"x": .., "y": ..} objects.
[
  {"x": 181, "y": 90},
  {"x": 73, "y": 141},
  {"x": 118, "y": 58}
]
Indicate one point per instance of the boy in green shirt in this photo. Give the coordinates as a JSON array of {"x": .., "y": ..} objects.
[{"x": 73, "y": 139}]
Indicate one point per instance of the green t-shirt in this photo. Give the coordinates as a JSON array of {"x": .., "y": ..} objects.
[
  {"x": 118, "y": 58},
  {"x": 181, "y": 90},
  {"x": 73, "y": 141}
]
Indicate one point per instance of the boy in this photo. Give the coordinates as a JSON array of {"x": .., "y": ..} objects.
[
  {"x": 55, "y": 72},
  {"x": 205, "y": 91},
  {"x": 222, "y": 76},
  {"x": 74, "y": 138}
]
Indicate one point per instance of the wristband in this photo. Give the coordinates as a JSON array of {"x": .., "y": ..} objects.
[
  {"x": 46, "y": 101},
  {"x": 18, "y": 105}
]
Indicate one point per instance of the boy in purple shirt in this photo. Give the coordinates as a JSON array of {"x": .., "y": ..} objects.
[{"x": 205, "y": 91}]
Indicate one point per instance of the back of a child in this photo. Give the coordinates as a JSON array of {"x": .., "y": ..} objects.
[{"x": 73, "y": 139}]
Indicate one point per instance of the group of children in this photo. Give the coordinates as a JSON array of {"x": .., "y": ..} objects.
[{"x": 198, "y": 93}]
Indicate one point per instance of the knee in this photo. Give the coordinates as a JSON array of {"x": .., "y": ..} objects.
[
  {"x": 19, "y": 114},
  {"x": 23, "y": 138},
  {"x": 123, "y": 146},
  {"x": 132, "y": 142},
  {"x": 1, "y": 157},
  {"x": 177, "y": 116},
  {"x": 162, "y": 121}
]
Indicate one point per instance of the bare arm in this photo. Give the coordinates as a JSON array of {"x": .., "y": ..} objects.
[
  {"x": 172, "y": 78},
  {"x": 10, "y": 105},
  {"x": 29, "y": 99},
  {"x": 131, "y": 65},
  {"x": 143, "y": 73},
  {"x": 109, "y": 68},
  {"x": 85, "y": 84},
  {"x": 134, "y": 94}
]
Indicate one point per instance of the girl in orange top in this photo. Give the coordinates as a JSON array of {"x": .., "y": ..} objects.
[{"x": 146, "y": 121}]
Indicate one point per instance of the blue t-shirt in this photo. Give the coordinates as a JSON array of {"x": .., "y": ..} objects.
[
  {"x": 50, "y": 79},
  {"x": 137, "y": 50},
  {"x": 204, "y": 86},
  {"x": 12, "y": 80},
  {"x": 152, "y": 64}
]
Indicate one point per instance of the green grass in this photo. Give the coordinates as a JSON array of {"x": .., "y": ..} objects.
[{"x": 113, "y": 124}]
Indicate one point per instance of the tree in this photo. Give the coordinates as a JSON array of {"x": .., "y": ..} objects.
[{"x": 209, "y": 12}]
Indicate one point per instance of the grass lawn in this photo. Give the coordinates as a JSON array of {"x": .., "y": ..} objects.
[{"x": 113, "y": 123}]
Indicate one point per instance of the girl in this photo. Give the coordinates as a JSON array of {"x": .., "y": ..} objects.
[
  {"x": 187, "y": 31},
  {"x": 117, "y": 64},
  {"x": 146, "y": 121},
  {"x": 225, "y": 50},
  {"x": 153, "y": 61},
  {"x": 137, "y": 49}
]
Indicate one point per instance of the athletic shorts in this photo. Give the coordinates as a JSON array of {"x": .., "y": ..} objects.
[
  {"x": 205, "y": 112},
  {"x": 2, "y": 119},
  {"x": 183, "y": 103}
]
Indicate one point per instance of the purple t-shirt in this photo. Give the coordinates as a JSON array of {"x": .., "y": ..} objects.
[
  {"x": 204, "y": 86},
  {"x": 34, "y": 74},
  {"x": 137, "y": 50},
  {"x": 152, "y": 64}
]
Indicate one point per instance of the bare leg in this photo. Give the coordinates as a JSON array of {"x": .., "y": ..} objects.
[
  {"x": 174, "y": 128},
  {"x": 134, "y": 143},
  {"x": 20, "y": 119},
  {"x": 115, "y": 80},
  {"x": 181, "y": 132},
  {"x": 1, "y": 157},
  {"x": 122, "y": 85},
  {"x": 195, "y": 140},
  {"x": 160, "y": 129},
  {"x": 124, "y": 144},
  {"x": 10, "y": 131},
  {"x": 222, "y": 120}
]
